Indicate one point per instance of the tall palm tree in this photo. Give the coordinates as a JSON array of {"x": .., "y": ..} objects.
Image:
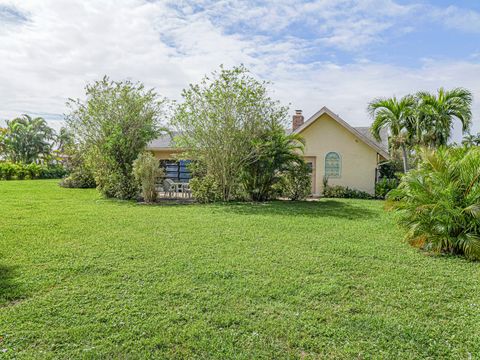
[
  {"x": 398, "y": 117},
  {"x": 437, "y": 112}
]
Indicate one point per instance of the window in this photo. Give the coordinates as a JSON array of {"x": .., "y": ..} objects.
[
  {"x": 176, "y": 170},
  {"x": 332, "y": 165}
]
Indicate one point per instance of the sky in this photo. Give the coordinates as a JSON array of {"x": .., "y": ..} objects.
[{"x": 335, "y": 53}]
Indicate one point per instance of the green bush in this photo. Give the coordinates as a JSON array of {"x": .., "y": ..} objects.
[
  {"x": 18, "y": 171},
  {"x": 337, "y": 191},
  {"x": 384, "y": 186},
  {"x": 146, "y": 169},
  {"x": 439, "y": 203},
  {"x": 205, "y": 189},
  {"x": 296, "y": 182},
  {"x": 81, "y": 178}
]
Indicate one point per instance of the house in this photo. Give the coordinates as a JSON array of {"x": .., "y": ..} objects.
[{"x": 346, "y": 155}]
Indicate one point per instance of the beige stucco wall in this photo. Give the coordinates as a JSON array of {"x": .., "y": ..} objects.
[
  {"x": 165, "y": 154},
  {"x": 358, "y": 160}
]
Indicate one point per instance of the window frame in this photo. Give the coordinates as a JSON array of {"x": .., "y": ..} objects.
[{"x": 339, "y": 165}]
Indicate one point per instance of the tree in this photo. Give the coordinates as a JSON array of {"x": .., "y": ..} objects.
[
  {"x": 436, "y": 114},
  {"x": 471, "y": 140},
  {"x": 274, "y": 152},
  {"x": 398, "y": 117},
  {"x": 64, "y": 140},
  {"x": 146, "y": 169},
  {"x": 112, "y": 127},
  {"x": 27, "y": 139},
  {"x": 219, "y": 120}
]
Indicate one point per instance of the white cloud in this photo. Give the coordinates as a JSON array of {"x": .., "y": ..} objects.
[
  {"x": 63, "y": 45},
  {"x": 458, "y": 18}
]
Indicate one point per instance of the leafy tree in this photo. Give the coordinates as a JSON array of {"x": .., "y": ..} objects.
[
  {"x": 27, "y": 139},
  {"x": 3, "y": 133},
  {"x": 439, "y": 203},
  {"x": 274, "y": 153},
  {"x": 64, "y": 140},
  {"x": 398, "y": 117},
  {"x": 146, "y": 169},
  {"x": 113, "y": 126},
  {"x": 219, "y": 120}
]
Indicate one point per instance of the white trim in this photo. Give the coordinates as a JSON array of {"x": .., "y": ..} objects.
[{"x": 338, "y": 119}]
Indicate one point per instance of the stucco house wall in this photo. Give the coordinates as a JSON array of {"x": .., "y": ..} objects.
[{"x": 358, "y": 160}]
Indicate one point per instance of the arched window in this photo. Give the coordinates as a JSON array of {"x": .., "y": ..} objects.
[{"x": 333, "y": 165}]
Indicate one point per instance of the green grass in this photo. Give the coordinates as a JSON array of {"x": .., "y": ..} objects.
[{"x": 84, "y": 277}]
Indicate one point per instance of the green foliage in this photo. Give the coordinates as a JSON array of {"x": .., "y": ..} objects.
[
  {"x": 274, "y": 152},
  {"x": 112, "y": 127},
  {"x": 221, "y": 121},
  {"x": 436, "y": 112},
  {"x": 81, "y": 178},
  {"x": 296, "y": 181},
  {"x": 19, "y": 171},
  {"x": 439, "y": 203},
  {"x": 471, "y": 140},
  {"x": 397, "y": 116},
  {"x": 205, "y": 189},
  {"x": 424, "y": 119},
  {"x": 27, "y": 140},
  {"x": 146, "y": 169},
  {"x": 384, "y": 186},
  {"x": 337, "y": 191},
  {"x": 80, "y": 173}
]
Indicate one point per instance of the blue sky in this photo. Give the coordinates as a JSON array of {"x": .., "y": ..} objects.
[{"x": 338, "y": 53}]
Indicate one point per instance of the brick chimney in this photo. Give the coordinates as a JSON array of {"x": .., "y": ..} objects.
[{"x": 297, "y": 119}]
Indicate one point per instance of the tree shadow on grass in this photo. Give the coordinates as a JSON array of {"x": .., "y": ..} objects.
[
  {"x": 10, "y": 291},
  {"x": 323, "y": 208}
]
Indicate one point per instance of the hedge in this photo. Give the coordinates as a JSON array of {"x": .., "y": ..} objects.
[{"x": 18, "y": 171}]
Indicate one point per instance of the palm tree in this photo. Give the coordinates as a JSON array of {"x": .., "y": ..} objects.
[
  {"x": 274, "y": 152},
  {"x": 398, "y": 117},
  {"x": 471, "y": 140},
  {"x": 436, "y": 114},
  {"x": 28, "y": 139}
]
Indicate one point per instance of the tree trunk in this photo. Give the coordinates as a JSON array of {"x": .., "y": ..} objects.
[{"x": 405, "y": 159}]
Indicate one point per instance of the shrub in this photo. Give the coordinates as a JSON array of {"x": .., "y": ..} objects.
[
  {"x": 384, "y": 186},
  {"x": 8, "y": 170},
  {"x": 18, "y": 171},
  {"x": 439, "y": 203},
  {"x": 205, "y": 189},
  {"x": 337, "y": 191},
  {"x": 146, "y": 169},
  {"x": 81, "y": 178},
  {"x": 81, "y": 175},
  {"x": 296, "y": 182}
]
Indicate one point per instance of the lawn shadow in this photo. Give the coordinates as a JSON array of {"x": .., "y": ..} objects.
[
  {"x": 322, "y": 208},
  {"x": 10, "y": 291}
]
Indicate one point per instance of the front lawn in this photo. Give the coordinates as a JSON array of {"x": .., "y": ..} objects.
[{"x": 81, "y": 276}]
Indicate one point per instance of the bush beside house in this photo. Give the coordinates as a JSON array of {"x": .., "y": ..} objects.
[{"x": 439, "y": 203}]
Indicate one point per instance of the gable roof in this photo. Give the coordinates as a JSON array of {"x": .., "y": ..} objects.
[{"x": 362, "y": 133}]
